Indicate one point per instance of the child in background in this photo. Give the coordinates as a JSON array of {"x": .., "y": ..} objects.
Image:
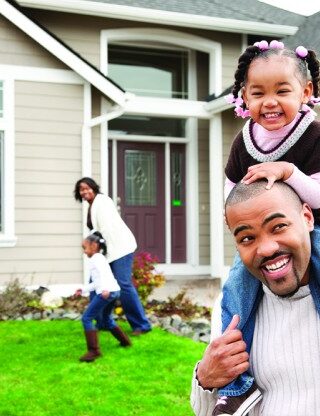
[
  {"x": 281, "y": 141},
  {"x": 104, "y": 291}
]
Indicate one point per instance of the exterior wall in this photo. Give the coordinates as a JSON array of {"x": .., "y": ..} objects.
[
  {"x": 16, "y": 48},
  {"x": 82, "y": 33},
  {"x": 231, "y": 126},
  {"x": 48, "y": 123}
]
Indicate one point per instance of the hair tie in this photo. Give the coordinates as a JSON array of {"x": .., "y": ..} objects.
[
  {"x": 264, "y": 46},
  {"x": 301, "y": 52},
  {"x": 102, "y": 240},
  {"x": 238, "y": 102}
]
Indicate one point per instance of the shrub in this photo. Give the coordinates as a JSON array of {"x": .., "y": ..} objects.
[
  {"x": 144, "y": 275},
  {"x": 15, "y": 300}
]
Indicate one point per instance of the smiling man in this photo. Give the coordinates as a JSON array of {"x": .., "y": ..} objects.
[{"x": 272, "y": 230}]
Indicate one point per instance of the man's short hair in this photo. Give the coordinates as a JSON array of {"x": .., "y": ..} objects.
[{"x": 242, "y": 192}]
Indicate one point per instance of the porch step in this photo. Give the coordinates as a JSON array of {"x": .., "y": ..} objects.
[{"x": 202, "y": 291}]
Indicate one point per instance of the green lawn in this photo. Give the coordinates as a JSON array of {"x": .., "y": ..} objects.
[{"x": 40, "y": 374}]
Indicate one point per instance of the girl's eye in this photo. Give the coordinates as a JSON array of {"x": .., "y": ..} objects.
[
  {"x": 257, "y": 94},
  {"x": 283, "y": 91}
]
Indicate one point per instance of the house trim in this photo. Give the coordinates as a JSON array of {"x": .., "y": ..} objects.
[
  {"x": 8, "y": 238},
  {"x": 60, "y": 51},
  {"x": 140, "y": 14}
]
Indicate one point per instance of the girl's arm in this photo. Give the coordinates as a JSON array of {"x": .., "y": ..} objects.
[{"x": 307, "y": 187}]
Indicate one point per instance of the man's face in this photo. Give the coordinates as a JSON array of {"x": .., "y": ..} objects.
[{"x": 272, "y": 235}]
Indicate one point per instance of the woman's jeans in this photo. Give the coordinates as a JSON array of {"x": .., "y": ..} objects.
[
  {"x": 98, "y": 306},
  {"x": 130, "y": 301}
]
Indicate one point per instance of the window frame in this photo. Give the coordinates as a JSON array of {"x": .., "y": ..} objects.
[{"x": 7, "y": 234}]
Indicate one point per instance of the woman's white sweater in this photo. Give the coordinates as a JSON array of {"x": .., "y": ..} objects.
[
  {"x": 285, "y": 358},
  {"x": 106, "y": 219}
]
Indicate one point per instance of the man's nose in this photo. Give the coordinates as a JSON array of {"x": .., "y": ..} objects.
[{"x": 267, "y": 247}]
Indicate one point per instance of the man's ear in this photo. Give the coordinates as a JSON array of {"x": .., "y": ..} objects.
[{"x": 308, "y": 216}]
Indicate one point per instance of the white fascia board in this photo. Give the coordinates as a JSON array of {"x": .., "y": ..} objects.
[
  {"x": 162, "y": 107},
  {"x": 140, "y": 14},
  {"x": 61, "y": 52},
  {"x": 217, "y": 106}
]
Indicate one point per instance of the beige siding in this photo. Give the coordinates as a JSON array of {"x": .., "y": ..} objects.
[
  {"x": 17, "y": 48},
  {"x": 48, "y": 122},
  {"x": 231, "y": 126},
  {"x": 204, "y": 196}
]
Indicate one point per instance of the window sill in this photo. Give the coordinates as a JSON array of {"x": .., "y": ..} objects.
[{"x": 7, "y": 241}]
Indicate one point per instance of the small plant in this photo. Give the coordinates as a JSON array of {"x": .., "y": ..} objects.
[
  {"x": 15, "y": 300},
  {"x": 144, "y": 276},
  {"x": 179, "y": 305}
]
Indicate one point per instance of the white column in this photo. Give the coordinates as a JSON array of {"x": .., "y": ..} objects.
[{"x": 216, "y": 197}]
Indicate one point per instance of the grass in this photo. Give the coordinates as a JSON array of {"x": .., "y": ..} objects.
[{"x": 40, "y": 374}]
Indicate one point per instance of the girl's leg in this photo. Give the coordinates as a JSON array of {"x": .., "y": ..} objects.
[{"x": 241, "y": 295}]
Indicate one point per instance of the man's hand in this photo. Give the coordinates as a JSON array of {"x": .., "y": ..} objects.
[
  {"x": 272, "y": 171},
  {"x": 224, "y": 359}
]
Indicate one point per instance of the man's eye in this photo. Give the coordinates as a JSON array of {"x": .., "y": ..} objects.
[
  {"x": 246, "y": 239},
  {"x": 279, "y": 226}
]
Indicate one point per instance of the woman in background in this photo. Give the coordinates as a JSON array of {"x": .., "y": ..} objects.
[{"x": 103, "y": 216}]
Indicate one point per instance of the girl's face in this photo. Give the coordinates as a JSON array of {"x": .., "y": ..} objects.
[
  {"x": 274, "y": 91},
  {"x": 86, "y": 192},
  {"x": 90, "y": 247}
]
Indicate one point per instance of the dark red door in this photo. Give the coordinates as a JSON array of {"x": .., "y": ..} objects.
[{"x": 141, "y": 194}]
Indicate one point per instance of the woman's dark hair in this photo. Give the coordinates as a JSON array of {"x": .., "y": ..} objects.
[
  {"x": 90, "y": 182},
  {"x": 310, "y": 62},
  {"x": 96, "y": 237}
]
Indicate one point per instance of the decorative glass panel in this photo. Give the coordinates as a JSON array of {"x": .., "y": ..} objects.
[
  {"x": 148, "y": 126},
  {"x": 149, "y": 72},
  {"x": 1, "y": 99},
  {"x": 176, "y": 178},
  {"x": 1, "y": 181},
  {"x": 140, "y": 177}
]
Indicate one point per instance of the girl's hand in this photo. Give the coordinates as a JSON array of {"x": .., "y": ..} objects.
[
  {"x": 272, "y": 171},
  {"x": 78, "y": 293},
  {"x": 105, "y": 294}
]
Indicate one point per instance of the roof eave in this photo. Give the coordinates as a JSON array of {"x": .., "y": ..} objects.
[
  {"x": 140, "y": 14},
  {"x": 70, "y": 59}
]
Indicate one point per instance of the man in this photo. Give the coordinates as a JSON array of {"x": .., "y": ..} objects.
[{"x": 272, "y": 230}]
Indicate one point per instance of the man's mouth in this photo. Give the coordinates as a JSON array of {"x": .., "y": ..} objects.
[{"x": 276, "y": 268}]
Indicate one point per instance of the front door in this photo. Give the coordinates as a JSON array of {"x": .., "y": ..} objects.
[{"x": 141, "y": 194}]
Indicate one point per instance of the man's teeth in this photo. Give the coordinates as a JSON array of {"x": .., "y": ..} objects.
[
  {"x": 271, "y": 115},
  {"x": 277, "y": 266}
]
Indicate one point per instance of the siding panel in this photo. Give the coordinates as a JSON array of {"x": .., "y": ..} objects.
[{"x": 48, "y": 163}]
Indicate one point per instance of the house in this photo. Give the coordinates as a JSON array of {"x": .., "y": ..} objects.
[{"x": 118, "y": 90}]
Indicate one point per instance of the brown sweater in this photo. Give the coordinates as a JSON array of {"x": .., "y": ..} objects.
[{"x": 304, "y": 154}]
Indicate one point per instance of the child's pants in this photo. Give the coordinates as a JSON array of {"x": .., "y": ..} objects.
[{"x": 96, "y": 307}]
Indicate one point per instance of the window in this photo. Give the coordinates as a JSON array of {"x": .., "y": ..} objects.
[
  {"x": 148, "y": 126},
  {"x": 149, "y": 71}
]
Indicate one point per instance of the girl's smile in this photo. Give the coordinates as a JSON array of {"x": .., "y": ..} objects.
[{"x": 274, "y": 92}]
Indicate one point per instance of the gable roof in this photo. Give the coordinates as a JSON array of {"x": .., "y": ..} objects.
[
  {"x": 11, "y": 11},
  {"x": 241, "y": 16},
  {"x": 308, "y": 34}
]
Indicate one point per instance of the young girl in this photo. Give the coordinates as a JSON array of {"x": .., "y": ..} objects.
[
  {"x": 104, "y": 290},
  {"x": 281, "y": 141}
]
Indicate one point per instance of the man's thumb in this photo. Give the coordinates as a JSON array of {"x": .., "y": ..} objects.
[{"x": 233, "y": 324}]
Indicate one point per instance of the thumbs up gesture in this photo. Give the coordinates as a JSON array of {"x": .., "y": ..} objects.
[{"x": 224, "y": 359}]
